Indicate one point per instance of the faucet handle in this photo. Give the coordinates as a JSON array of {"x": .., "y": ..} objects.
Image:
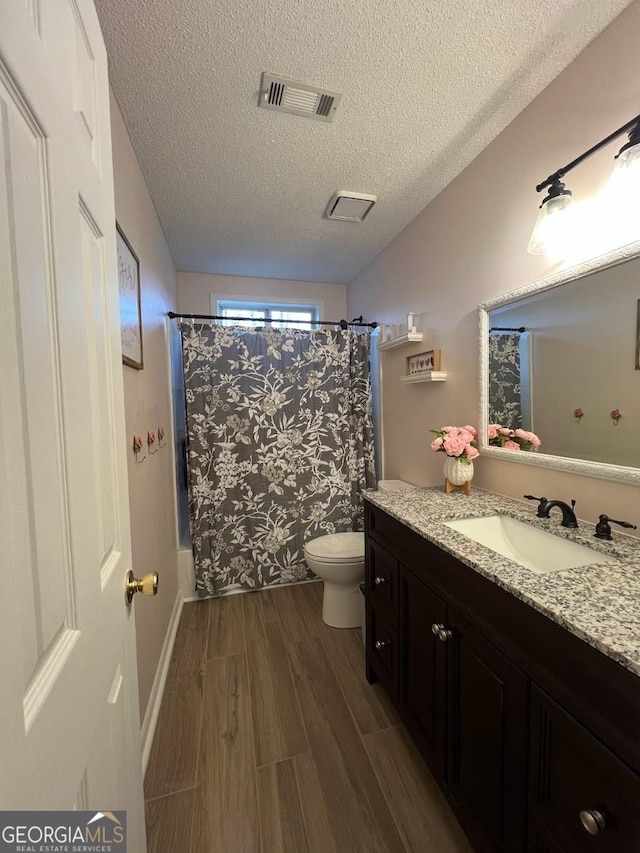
[
  {"x": 603, "y": 529},
  {"x": 541, "y": 503}
]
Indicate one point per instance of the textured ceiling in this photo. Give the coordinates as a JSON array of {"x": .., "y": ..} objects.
[{"x": 427, "y": 85}]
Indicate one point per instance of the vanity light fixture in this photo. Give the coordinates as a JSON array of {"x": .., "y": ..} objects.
[
  {"x": 628, "y": 158},
  {"x": 554, "y": 208}
]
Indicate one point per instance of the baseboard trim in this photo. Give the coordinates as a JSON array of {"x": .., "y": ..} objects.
[{"x": 155, "y": 699}]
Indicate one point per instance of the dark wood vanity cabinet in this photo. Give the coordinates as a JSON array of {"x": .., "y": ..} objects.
[
  {"x": 473, "y": 671},
  {"x": 422, "y": 694},
  {"x": 381, "y": 580},
  {"x": 465, "y": 705},
  {"x": 487, "y": 748},
  {"x": 582, "y": 797}
]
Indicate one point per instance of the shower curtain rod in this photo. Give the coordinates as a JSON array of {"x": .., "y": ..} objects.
[
  {"x": 521, "y": 329},
  {"x": 357, "y": 321}
]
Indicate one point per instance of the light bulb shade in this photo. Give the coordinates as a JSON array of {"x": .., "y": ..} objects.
[
  {"x": 629, "y": 158},
  {"x": 621, "y": 198},
  {"x": 626, "y": 172},
  {"x": 549, "y": 225}
]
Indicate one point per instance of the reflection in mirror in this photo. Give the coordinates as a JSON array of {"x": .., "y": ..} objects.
[
  {"x": 510, "y": 375},
  {"x": 560, "y": 360}
]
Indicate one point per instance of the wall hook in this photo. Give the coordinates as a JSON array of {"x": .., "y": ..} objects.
[
  {"x": 137, "y": 448},
  {"x": 578, "y": 414},
  {"x": 151, "y": 440},
  {"x": 161, "y": 438},
  {"x": 615, "y": 416}
]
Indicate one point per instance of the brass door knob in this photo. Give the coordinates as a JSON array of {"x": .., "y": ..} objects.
[{"x": 147, "y": 585}]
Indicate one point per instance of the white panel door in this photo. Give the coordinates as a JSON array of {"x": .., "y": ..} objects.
[{"x": 68, "y": 681}]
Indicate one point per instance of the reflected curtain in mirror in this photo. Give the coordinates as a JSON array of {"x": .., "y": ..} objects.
[
  {"x": 510, "y": 380},
  {"x": 280, "y": 447}
]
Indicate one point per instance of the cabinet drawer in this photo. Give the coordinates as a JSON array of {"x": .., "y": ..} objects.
[
  {"x": 384, "y": 529},
  {"x": 577, "y": 785},
  {"x": 382, "y": 641},
  {"x": 382, "y": 582}
]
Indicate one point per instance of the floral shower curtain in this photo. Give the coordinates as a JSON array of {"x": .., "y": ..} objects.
[
  {"x": 280, "y": 446},
  {"x": 505, "y": 391}
]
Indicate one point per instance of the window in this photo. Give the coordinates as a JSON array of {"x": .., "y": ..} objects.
[{"x": 280, "y": 313}]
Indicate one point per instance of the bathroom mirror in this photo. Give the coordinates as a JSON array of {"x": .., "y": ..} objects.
[{"x": 558, "y": 357}]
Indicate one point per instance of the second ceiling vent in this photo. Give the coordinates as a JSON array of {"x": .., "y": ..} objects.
[{"x": 300, "y": 99}]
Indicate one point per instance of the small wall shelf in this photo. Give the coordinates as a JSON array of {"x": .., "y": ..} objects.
[
  {"x": 432, "y": 376},
  {"x": 409, "y": 338}
]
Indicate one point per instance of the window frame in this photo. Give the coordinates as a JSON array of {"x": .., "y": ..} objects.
[{"x": 251, "y": 303}]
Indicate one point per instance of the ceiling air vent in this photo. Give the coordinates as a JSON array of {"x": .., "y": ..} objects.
[
  {"x": 300, "y": 99},
  {"x": 350, "y": 206}
]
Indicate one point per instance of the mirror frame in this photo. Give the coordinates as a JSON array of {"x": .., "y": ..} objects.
[{"x": 562, "y": 463}]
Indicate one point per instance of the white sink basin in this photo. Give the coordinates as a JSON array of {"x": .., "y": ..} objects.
[{"x": 531, "y": 547}]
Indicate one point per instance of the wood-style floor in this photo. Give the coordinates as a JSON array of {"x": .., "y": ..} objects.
[{"x": 270, "y": 739}]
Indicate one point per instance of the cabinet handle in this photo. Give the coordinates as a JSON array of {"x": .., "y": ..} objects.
[
  {"x": 380, "y": 580},
  {"x": 436, "y": 628},
  {"x": 444, "y": 634},
  {"x": 592, "y": 821},
  {"x": 382, "y": 644}
]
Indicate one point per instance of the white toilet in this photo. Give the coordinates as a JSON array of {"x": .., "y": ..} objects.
[{"x": 339, "y": 560}]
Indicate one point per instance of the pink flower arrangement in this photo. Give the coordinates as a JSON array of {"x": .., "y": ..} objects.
[
  {"x": 512, "y": 439},
  {"x": 459, "y": 442}
]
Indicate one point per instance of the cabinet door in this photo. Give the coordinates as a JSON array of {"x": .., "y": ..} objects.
[
  {"x": 487, "y": 736},
  {"x": 422, "y": 670},
  {"x": 580, "y": 795},
  {"x": 382, "y": 652},
  {"x": 382, "y": 581}
]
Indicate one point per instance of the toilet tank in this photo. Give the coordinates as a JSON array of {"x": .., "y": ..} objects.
[{"x": 394, "y": 486}]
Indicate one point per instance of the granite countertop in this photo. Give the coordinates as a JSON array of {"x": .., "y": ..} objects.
[{"x": 598, "y": 603}]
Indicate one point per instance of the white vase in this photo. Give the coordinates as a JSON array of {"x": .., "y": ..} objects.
[{"x": 457, "y": 472}]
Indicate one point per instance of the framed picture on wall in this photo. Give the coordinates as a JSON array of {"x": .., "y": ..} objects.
[
  {"x": 130, "y": 314},
  {"x": 423, "y": 362}
]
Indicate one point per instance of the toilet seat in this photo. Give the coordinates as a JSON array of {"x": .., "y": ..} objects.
[{"x": 336, "y": 548}]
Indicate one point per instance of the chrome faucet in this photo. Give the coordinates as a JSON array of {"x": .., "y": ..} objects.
[{"x": 568, "y": 515}]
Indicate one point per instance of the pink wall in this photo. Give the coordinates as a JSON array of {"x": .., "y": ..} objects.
[
  {"x": 194, "y": 291},
  {"x": 469, "y": 245},
  {"x": 148, "y": 406}
]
